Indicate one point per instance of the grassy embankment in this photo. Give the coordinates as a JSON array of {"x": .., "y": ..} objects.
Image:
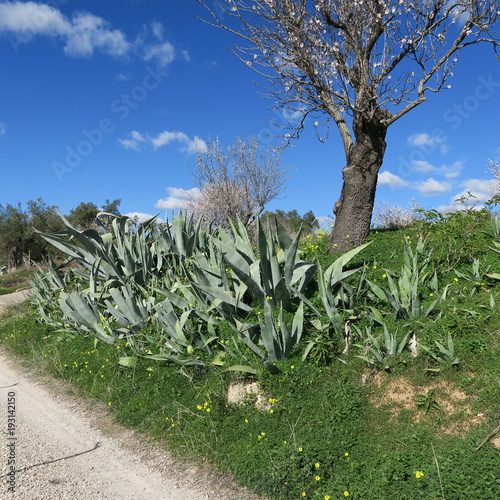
[{"x": 405, "y": 425}]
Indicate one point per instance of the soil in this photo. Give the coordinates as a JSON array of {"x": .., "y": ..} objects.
[
  {"x": 399, "y": 394},
  {"x": 63, "y": 447}
]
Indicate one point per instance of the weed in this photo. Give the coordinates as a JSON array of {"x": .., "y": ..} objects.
[{"x": 427, "y": 401}]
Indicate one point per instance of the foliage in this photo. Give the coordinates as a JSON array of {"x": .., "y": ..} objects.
[
  {"x": 451, "y": 234},
  {"x": 445, "y": 354},
  {"x": 381, "y": 354},
  {"x": 84, "y": 215},
  {"x": 19, "y": 242},
  {"x": 13, "y": 281},
  {"x": 405, "y": 295},
  {"x": 324, "y": 414},
  {"x": 427, "y": 401},
  {"x": 292, "y": 221}
]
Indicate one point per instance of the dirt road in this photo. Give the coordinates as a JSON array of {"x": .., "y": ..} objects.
[{"x": 60, "y": 447}]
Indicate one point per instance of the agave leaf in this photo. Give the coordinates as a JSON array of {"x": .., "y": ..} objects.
[
  {"x": 298, "y": 324},
  {"x": 495, "y": 276},
  {"x": 268, "y": 334},
  {"x": 128, "y": 361},
  {"x": 241, "y": 368},
  {"x": 176, "y": 359}
]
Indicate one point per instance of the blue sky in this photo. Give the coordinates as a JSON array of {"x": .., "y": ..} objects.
[{"x": 106, "y": 99}]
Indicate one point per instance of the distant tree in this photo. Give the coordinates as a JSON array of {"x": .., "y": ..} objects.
[
  {"x": 19, "y": 242},
  {"x": 348, "y": 61},
  {"x": 43, "y": 218},
  {"x": 84, "y": 215},
  {"x": 236, "y": 181},
  {"x": 291, "y": 221},
  {"x": 13, "y": 227},
  {"x": 394, "y": 216},
  {"x": 112, "y": 207}
]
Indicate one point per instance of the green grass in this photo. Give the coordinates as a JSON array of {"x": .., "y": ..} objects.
[
  {"x": 10, "y": 282},
  {"x": 329, "y": 428}
]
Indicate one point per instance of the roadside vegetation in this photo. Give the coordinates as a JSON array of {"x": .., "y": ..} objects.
[{"x": 371, "y": 374}]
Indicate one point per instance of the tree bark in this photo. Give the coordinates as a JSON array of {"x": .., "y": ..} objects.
[
  {"x": 353, "y": 210},
  {"x": 12, "y": 260}
]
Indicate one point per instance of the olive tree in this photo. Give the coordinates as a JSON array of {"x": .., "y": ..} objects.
[
  {"x": 236, "y": 181},
  {"x": 19, "y": 242},
  {"x": 349, "y": 61}
]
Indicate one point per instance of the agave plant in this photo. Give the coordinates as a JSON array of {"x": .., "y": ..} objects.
[
  {"x": 404, "y": 295},
  {"x": 332, "y": 286},
  {"x": 115, "y": 258},
  {"x": 277, "y": 274},
  {"x": 381, "y": 353}
]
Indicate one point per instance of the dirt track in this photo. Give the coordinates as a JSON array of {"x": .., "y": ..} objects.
[{"x": 66, "y": 448}]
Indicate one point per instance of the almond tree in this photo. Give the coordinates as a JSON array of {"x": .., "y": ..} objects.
[
  {"x": 494, "y": 169},
  {"x": 236, "y": 181},
  {"x": 349, "y": 61}
]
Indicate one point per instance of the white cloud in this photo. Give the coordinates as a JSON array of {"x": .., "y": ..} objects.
[
  {"x": 422, "y": 166},
  {"x": 422, "y": 139},
  {"x": 82, "y": 34},
  {"x": 31, "y": 18},
  {"x": 453, "y": 171},
  {"x": 2, "y": 128},
  {"x": 151, "y": 44},
  {"x": 157, "y": 29},
  {"x": 431, "y": 187},
  {"x": 163, "y": 52},
  {"x": 142, "y": 217},
  {"x": 481, "y": 191},
  {"x": 89, "y": 32},
  {"x": 166, "y": 137},
  {"x": 177, "y": 198},
  {"x": 388, "y": 179},
  {"x": 188, "y": 145},
  {"x": 135, "y": 142},
  {"x": 429, "y": 143},
  {"x": 449, "y": 171}
]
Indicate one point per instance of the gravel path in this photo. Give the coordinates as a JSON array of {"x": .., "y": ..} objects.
[{"x": 61, "y": 447}]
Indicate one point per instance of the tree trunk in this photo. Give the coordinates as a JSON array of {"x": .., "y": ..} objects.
[
  {"x": 354, "y": 208},
  {"x": 12, "y": 260}
]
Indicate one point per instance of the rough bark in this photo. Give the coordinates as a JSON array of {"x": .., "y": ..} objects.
[{"x": 353, "y": 211}]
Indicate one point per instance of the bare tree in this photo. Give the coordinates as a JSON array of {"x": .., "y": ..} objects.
[
  {"x": 348, "y": 60},
  {"x": 236, "y": 181}
]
